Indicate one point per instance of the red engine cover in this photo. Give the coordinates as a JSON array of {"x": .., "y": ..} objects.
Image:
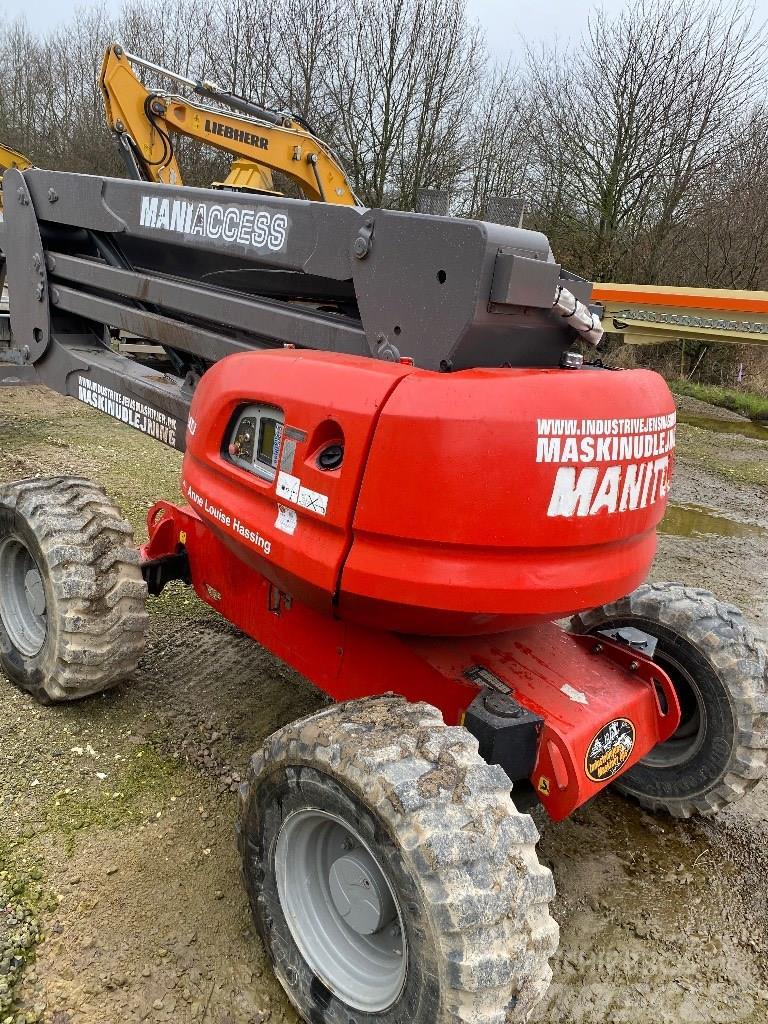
[
  {"x": 324, "y": 398},
  {"x": 466, "y": 503}
]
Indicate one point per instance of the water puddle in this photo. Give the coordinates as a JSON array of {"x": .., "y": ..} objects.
[
  {"x": 695, "y": 521},
  {"x": 746, "y": 428}
]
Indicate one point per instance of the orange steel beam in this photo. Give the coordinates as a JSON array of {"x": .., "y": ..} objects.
[
  {"x": 651, "y": 314},
  {"x": 695, "y": 298}
]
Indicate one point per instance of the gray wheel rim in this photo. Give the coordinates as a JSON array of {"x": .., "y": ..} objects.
[
  {"x": 689, "y": 737},
  {"x": 341, "y": 910},
  {"x": 22, "y": 598}
]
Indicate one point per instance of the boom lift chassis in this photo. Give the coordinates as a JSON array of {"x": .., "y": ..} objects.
[{"x": 367, "y": 402}]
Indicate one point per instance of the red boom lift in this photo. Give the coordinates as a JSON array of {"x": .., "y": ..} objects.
[{"x": 397, "y": 476}]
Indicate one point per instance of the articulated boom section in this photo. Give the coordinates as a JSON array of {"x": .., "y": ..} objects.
[
  {"x": 208, "y": 273},
  {"x": 433, "y": 469}
]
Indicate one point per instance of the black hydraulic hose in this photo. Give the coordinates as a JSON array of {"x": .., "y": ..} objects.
[
  {"x": 165, "y": 138},
  {"x": 246, "y": 106},
  {"x": 242, "y": 105}
]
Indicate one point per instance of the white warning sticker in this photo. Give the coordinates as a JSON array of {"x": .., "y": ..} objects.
[
  {"x": 288, "y": 487},
  {"x": 573, "y": 694},
  {"x": 313, "y": 500},
  {"x": 286, "y": 520}
]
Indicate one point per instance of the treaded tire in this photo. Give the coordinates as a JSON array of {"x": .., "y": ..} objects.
[
  {"x": 459, "y": 857},
  {"x": 95, "y": 616},
  {"x": 710, "y": 642}
]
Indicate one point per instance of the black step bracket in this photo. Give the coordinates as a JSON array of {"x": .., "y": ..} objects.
[
  {"x": 160, "y": 571},
  {"x": 508, "y": 733},
  {"x": 629, "y": 636}
]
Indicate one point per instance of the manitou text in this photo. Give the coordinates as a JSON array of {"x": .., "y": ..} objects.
[{"x": 607, "y": 466}]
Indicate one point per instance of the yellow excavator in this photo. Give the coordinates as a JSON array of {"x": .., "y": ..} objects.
[
  {"x": 10, "y": 158},
  {"x": 260, "y": 140}
]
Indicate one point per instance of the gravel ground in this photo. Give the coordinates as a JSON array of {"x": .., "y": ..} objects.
[{"x": 119, "y": 892}]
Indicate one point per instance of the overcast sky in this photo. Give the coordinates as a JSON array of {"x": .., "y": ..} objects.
[{"x": 507, "y": 22}]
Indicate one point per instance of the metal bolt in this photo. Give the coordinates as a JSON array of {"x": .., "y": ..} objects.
[
  {"x": 597, "y": 649},
  {"x": 120, "y": 126},
  {"x": 22, "y": 196},
  {"x": 52, "y": 196},
  {"x": 39, "y": 291},
  {"x": 361, "y": 247},
  {"x": 347, "y": 844},
  {"x": 571, "y": 360},
  {"x": 634, "y": 666},
  {"x": 37, "y": 261},
  {"x": 25, "y": 353}
]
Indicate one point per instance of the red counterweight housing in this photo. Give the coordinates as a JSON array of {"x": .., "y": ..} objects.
[{"x": 429, "y": 503}]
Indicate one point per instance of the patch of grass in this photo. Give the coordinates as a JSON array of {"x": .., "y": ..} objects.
[
  {"x": 22, "y": 901},
  {"x": 741, "y": 472},
  {"x": 754, "y": 407},
  {"x": 735, "y": 462},
  {"x": 62, "y": 437},
  {"x": 137, "y": 791}
]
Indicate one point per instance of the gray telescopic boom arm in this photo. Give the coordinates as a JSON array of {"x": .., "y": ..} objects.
[{"x": 206, "y": 274}]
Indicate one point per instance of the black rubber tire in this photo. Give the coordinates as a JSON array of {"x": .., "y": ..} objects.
[
  {"x": 459, "y": 856},
  {"x": 726, "y": 662},
  {"x": 94, "y": 591}
]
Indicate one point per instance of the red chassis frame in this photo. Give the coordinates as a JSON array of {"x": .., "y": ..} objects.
[{"x": 578, "y": 685}]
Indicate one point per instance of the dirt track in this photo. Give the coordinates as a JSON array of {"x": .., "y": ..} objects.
[{"x": 116, "y": 815}]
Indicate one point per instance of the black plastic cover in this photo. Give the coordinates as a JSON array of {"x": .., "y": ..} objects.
[{"x": 507, "y": 733}]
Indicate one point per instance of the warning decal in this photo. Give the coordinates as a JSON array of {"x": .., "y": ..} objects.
[
  {"x": 609, "y": 750},
  {"x": 289, "y": 488}
]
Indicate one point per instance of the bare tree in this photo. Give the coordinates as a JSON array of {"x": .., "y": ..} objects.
[
  {"x": 499, "y": 141},
  {"x": 630, "y": 121},
  {"x": 402, "y": 83},
  {"x": 640, "y": 143},
  {"x": 724, "y": 239},
  {"x": 309, "y": 36}
]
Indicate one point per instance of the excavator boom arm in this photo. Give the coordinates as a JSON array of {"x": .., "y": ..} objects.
[
  {"x": 10, "y": 158},
  {"x": 146, "y": 122}
]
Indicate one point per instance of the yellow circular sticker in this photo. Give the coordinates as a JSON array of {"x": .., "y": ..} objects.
[{"x": 608, "y": 752}]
